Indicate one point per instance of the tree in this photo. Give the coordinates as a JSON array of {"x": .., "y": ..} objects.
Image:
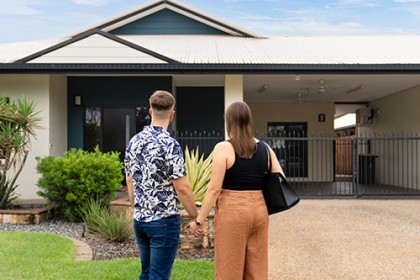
[{"x": 18, "y": 121}]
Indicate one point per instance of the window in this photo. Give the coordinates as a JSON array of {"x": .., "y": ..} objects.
[
  {"x": 289, "y": 142},
  {"x": 92, "y": 137}
]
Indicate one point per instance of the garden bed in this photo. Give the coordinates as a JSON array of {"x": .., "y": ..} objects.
[
  {"x": 188, "y": 241},
  {"x": 24, "y": 216}
]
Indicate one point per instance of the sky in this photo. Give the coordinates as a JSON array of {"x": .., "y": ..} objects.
[{"x": 25, "y": 20}]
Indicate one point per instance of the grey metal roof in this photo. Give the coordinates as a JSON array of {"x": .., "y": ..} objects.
[
  {"x": 10, "y": 52},
  {"x": 244, "y": 50},
  {"x": 285, "y": 50}
]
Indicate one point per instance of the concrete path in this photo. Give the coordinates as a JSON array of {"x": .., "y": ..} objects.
[{"x": 346, "y": 239}]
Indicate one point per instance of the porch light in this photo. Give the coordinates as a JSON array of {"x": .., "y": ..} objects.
[
  {"x": 262, "y": 89},
  {"x": 77, "y": 100},
  {"x": 359, "y": 87}
]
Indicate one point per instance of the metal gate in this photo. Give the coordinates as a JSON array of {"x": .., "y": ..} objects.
[
  {"x": 386, "y": 165},
  {"x": 379, "y": 165}
]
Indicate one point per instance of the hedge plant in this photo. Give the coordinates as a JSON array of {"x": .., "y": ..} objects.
[{"x": 69, "y": 181}]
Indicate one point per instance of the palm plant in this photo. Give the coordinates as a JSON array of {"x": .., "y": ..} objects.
[
  {"x": 18, "y": 121},
  {"x": 198, "y": 172}
]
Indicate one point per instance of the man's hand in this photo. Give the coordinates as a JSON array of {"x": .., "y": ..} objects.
[{"x": 194, "y": 229}]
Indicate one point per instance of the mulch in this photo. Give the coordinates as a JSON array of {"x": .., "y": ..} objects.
[{"x": 106, "y": 250}]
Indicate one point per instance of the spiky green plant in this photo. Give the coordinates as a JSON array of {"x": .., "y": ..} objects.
[
  {"x": 113, "y": 226},
  {"x": 12, "y": 196},
  {"x": 198, "y": 172},
  {"x": 18, "y": 121}
]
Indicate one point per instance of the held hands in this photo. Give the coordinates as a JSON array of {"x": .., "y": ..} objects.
[{"x": 195, "y": 229}]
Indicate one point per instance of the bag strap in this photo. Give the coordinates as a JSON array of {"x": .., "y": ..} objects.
[{"x": 270, "y": 163}]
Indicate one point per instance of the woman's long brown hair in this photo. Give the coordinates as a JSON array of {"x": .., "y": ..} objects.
[{"x": 239, "y": 127}]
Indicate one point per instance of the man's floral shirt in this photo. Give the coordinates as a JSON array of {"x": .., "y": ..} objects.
[{"x": 153, "y": 158}]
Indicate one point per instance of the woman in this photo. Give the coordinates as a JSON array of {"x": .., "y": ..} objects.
[{"x": 241, "y": 219}]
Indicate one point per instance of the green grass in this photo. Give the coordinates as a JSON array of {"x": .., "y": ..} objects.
[{"x": 25, "y": 255}]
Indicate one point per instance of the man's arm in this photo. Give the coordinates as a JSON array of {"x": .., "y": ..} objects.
[
  {"x": 183, "y": 190},
  {"x": 130, "y": 190}
]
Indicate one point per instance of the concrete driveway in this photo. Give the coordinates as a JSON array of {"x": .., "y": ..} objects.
[{"x": 346, "y": 239}]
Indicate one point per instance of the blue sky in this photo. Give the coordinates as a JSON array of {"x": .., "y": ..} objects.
[{"x": 22, "y": 20}]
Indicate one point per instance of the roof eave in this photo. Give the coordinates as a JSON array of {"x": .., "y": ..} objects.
[{"x": 38, "y": 68}]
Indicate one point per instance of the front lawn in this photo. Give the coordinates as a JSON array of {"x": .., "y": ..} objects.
[{"x": 25, "y": 255}]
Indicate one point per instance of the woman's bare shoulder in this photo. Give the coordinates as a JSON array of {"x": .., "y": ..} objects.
[{"x": 223, "y": 146}]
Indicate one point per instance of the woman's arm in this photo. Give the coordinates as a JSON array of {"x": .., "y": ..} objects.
[
  {"x": 218, "y": 170},
  {"x": 275, "y": 163}
]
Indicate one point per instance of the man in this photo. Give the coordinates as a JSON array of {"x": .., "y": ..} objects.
[{"x": 156, "y": 183}]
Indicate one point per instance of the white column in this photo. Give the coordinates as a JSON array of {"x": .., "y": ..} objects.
[{"x": 234, "y": 91}]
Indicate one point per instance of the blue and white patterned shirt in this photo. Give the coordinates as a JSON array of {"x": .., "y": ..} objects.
[{"x": 153, "y": 159}]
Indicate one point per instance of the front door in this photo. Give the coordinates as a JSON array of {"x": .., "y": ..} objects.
[
  {"x": 118, "y": 128},
  {"x": 111, "y": 128}
]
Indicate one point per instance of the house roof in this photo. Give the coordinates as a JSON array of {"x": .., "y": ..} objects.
[
  {"x": 173, "y": 5},
  {"x": 232, "y": 50},
  {"x": 11, "y": 52}
]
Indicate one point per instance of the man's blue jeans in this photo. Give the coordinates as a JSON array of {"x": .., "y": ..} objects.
[{"x": 158, "y": 243}]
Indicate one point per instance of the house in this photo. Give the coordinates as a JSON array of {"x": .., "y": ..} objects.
[{"x": 93, "y": 87}]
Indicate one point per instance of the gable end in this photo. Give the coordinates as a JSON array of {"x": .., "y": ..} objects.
[{"x": 166, "y": 22}]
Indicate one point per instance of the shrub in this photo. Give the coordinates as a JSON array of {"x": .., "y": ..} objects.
[
  {"x": 114, "y": 226},
  {"x": 68, "y": 182},
  {"x": 199, "y": 172}
]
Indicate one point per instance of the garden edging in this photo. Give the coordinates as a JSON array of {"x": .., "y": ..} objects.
[{"x": 24, "y": 216}]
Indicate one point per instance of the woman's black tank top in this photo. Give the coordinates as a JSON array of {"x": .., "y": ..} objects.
[{"x": 247, "y": 174}]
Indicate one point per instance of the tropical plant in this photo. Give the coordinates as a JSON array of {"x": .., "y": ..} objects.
[
  {"x": 68, "y": 182},
  {"x": 11, "y": 194},
  {"x": 18, "y": 121},
  {"x": 198, "y": 172},
  {"x": 113, "y": 226}
]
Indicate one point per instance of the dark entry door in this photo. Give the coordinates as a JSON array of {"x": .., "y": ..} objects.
[
  {"x": 119, "y": 125},
  {"x": 111, "y": 128}
]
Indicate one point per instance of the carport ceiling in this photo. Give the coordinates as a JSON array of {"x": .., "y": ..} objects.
[{"x": 291, "y": 88}]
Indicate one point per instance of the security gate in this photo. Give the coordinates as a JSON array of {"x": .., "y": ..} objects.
[
  {"x": 358, "y": 166},
  {"x": 385, "y": 165}
]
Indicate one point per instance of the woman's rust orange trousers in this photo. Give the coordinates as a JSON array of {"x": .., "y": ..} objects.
[{"x": 241, "y": 236}]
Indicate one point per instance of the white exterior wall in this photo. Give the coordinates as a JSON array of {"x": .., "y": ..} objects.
[
  {"x": 49, "y": 94},
  {"x": 398, "y": 112},
  {"x": 398, "y": 115},
  {"x": 58, "y": 115},
  {"x": 264, "y": 112},
  {"x": 234, "y": 91}
]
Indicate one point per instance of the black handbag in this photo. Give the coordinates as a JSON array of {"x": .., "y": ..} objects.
[{"x": 279, "y": 195}]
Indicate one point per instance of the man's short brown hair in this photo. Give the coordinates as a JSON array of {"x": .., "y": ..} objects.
[{"x": 162, "y": 101}]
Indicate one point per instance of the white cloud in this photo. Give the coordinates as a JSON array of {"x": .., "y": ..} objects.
[
  {"x": 347, "y": 3},
  {"x": 18, "y": 7},
  {"x": 311, "y": 22},
  {"x": 406, "y": 1},
  {"x": 91, "y": 2}
]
